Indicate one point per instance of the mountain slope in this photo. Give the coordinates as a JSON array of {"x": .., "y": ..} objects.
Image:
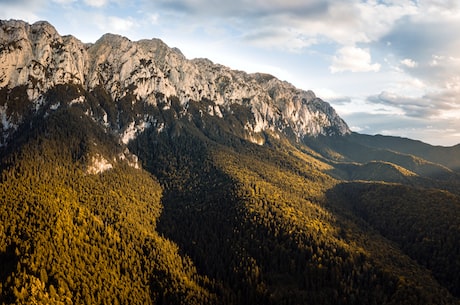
[
  {"x": 68, "y": 228},
  {"x": 130, "y": 174},
  {"x": 35, "y": 58},
  {"x": 447, "y": 156},
  {"x": 257, "y": 219},
  {"x": 423, "y": 222},
  {"x": 347, "y": 150}
]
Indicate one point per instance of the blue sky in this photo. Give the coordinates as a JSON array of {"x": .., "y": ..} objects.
[{"x": 388, "y": 67}]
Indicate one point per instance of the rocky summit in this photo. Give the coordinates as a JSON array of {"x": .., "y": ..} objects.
[{"x": 36, "y": 58}]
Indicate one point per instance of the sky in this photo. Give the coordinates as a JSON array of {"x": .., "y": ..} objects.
[{"x": 388, "y": 67}]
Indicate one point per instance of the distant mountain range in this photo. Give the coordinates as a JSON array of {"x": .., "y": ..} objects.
[{"x": 132, "y": 175}]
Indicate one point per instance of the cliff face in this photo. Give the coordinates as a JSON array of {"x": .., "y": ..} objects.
[
  {"x": 36, "y": 56},
  {"x": 36, "y": 59}
]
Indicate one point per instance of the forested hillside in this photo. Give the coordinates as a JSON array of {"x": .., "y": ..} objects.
[
  {"x": 131, "y": 175},
  {"x": 265, "y": 215},
  {"x": 423, "y": 222},
  {"x": 71, "y": 237},
  {"x": 217, "y": 220}
]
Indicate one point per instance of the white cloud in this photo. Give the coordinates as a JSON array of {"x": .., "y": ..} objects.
[
  {"x": 432, "y": 10},
  {"x": 357, "y": 128},
  {"x": 120, "y": 24},
  {"x": 296, "y": 23},
  {"x": 93, "y": 3},
  {"x": 410, "y": 63},
  {"x": 426, "y": 46},
  {"x": 435, "y": 132},
  {"x": 153, "y": 18},
  {"x": 286, "y": 39},
  {"x": 435, "y": 105},
  {"x": 113, "y": 24},
  {"x": 64, "y": 2},
  {"x": 27, "y": 10},
  {"x": 351, "y": 22},
  {"x": 353, "y": 59}
]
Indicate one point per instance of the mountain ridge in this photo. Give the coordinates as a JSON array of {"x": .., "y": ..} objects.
[
  {"x": 36, "y": 56},
  {"x": 131, "y": 175}
]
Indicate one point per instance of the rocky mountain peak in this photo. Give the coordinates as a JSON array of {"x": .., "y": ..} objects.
[{"x": 36, "y": 58}]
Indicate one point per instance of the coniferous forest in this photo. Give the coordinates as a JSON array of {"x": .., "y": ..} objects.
[
  {"x": 114, "y": 192},
  {"x": 209, "y": 218}
]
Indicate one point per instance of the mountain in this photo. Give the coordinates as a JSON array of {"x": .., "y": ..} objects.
[
  {"x": 447, "y": 156},
  {"x": 35, "y": 59},
  {"x": 132, "y": 175}
]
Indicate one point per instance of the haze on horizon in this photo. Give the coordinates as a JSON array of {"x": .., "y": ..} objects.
[{"x": 387, "y": 67}]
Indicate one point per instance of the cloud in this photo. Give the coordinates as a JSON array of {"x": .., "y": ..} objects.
[
  {"x": 272, "y": 24},
  {"x": 410, "y": 63},
  {"x": 434, "y": 9},
  {"x": 118, "y": 24},
  {"x": 305, "y": 22},
  {"x": 242, "y": 8},
  {"x": 351, "y": 22},
  {"x": 438, "y": 132},
  {"x": 293, "y": 40},
  {"x": 432, "y": 105},
  {"x": 427, "y": 39},
  {"x": 369, "y": 123},
  {"x": 64, "y": 2},
  {"x": 353, "y": 59},
  {"x": 153, "y": 18},
  {"x": 27, "y": 10},
  {"x": 411, "y": 107},
  {"x": 93, "y": 3}
]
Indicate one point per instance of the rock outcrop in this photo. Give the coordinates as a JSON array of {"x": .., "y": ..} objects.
[{"x": 36, "y": 58}]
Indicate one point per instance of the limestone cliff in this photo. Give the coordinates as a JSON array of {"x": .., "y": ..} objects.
[{"x": 36, "y": 59}]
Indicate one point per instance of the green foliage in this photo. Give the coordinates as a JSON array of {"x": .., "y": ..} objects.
[
  {"x": 425, "y": 223},
  {"x": 67, "y": 236},
  {"x": 257, "y": 222},
  {"x": 212, "y": 218}
]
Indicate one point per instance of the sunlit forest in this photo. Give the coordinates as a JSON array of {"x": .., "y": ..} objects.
[{"x": 204, "y": 216}]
